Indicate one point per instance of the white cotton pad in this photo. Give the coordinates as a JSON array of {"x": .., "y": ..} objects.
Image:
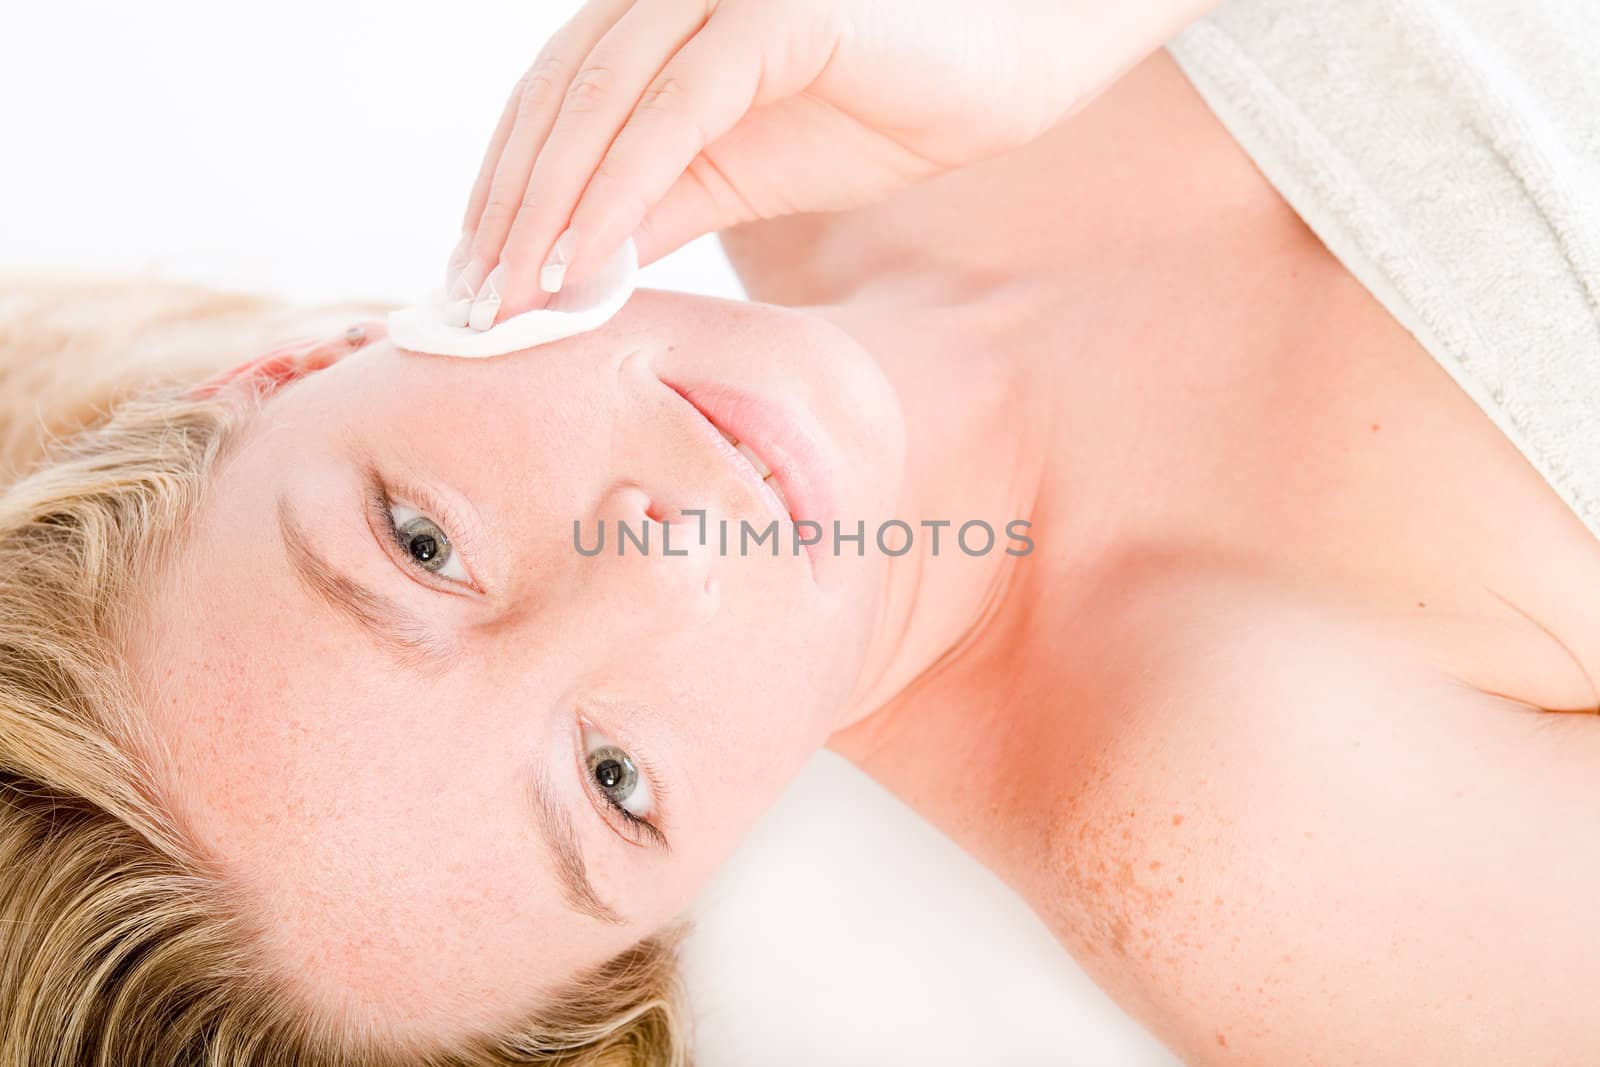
[{"x": 575, "y": 309}]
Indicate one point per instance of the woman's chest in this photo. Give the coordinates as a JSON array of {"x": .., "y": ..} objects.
[
  {"x": 1274, "y": 420},
  {"x": 1416, "y": 505}
]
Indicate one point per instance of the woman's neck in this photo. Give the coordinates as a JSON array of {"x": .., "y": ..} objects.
[
  {"x": 981, "y": 421},
  {"x": 1055, "y": 322},
  {"x": 998, "y": 299}
]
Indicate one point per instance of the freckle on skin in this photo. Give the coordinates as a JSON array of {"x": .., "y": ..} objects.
[
  {"x": 1177, "y": 820},
  {"x": 1221, "y": 1040},
  {"x": 1125, "y": 878},
  {"x": 1155, "y": 865},
  {"x": 1374, "y": 427},
  {"x": 1119, "y": 936}
]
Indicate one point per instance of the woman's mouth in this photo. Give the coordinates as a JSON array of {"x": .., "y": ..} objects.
[
  {"x": 758, "y": 464},
  {"x": 779, "y": 447},
  {"x": 745, "y": 462}
]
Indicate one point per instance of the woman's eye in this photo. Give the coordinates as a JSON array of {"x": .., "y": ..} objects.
[
  {"x": 617, "y": 776},
  {"x": 422, "y": 539}
]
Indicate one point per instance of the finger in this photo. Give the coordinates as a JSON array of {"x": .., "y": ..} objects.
[
  {"x": 696, "y": 204},
  {"x": 601, "y": 97},
  {"x": 524, "y": 125},
  {"x": 480, "y": 186},
  {"x": 701, "y": 200},
  {"x": 699, "y": 97}
]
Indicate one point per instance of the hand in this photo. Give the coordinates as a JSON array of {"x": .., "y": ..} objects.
[{"x": 659, "y": 120}]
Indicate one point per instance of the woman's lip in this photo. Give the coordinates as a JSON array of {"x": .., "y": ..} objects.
[
  {"x": 787, "y": 441},
  {"x": 742, "y": 468}
]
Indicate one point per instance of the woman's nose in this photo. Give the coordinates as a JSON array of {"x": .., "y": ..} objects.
[{"x": 646, "y": 565}]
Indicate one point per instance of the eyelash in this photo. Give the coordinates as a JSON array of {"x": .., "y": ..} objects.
[
  {"x": 645, "y": 825},
  {"x": 657, "y": 788},
  {"x": 380, "y": 499}
]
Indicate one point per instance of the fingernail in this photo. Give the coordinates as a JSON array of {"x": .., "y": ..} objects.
[
  {"x": 457, "y": 261},
  {"x": 555, "y": 266},
  {"x": 487, "y": 305},
  {"x": 458, "y": 297}
]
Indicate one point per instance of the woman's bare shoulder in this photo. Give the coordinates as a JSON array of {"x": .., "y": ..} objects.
[{"x": 1288, "y": 842}]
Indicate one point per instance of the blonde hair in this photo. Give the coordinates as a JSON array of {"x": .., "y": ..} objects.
[{"x": 120, "y": 945}]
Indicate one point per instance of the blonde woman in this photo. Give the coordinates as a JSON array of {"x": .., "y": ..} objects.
[{"x": 327, "y": 740}]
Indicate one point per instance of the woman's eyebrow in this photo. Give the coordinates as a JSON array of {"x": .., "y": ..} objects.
[
  {"x": 401, "y": 633},
  {"x": 391, "y": 625},
  {"x": 555, "y": 825}
]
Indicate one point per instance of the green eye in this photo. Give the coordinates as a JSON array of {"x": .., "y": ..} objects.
[
  {"x": 614, "y": 772},
  {"x": 425, "y": 542},
  {"x": 616, "y": 775}
]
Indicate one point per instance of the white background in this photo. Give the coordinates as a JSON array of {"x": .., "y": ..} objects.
[{"x": 324, "y": 151}]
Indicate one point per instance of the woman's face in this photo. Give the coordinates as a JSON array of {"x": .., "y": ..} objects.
[{"x": 406, "y": 744}]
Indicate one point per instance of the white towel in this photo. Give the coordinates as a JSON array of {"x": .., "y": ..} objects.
[
  {"x": 574, "y": 310},
  {"x": 1448, "y": 152}
]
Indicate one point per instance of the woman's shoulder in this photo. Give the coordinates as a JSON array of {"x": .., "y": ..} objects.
[
  {"x": 1448, "y": 154},
  {"x": 1282, "y": 836}
]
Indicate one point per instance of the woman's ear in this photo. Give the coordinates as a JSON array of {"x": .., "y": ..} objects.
[{"x": 272, "y": 370}]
